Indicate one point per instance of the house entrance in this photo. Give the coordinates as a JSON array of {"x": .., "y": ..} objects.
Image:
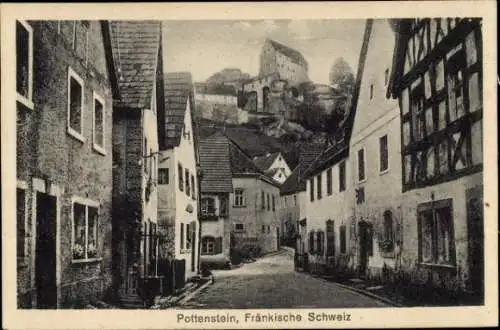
[
  {"x": 475, "y": 239},
  {"x": 45, "y": 254},
  {"x": 364, "y": 246}
]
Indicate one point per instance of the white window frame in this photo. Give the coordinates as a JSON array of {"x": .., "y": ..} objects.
[
  {"x": 87, "y": 203},
  {"x": 71, "y": 131},
  {"x": 27, "y": 101},
  {"x": 23, "y": 185},
  {"x": 243, "y": 201},
  {"x": 364, "y": 165},
  {"x": 380, "y": 155},
  {"x": 100, "y": 149}
]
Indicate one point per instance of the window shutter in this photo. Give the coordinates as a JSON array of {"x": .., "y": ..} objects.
[{"x": 218, "y": 245}]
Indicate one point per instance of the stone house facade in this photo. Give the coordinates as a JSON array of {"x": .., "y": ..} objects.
[
  {"x": 137, "y": 54},
  {"x": 64, "y": 179},
  {"x": 178, "y": 191}
]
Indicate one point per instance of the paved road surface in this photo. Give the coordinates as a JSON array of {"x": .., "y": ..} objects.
[{"x": 271, "y": 282}]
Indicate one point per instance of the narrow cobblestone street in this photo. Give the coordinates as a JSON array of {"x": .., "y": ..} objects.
[{"x": 271, "y": 282}]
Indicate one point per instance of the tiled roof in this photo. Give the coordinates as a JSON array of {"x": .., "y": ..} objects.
[
  {"x": 135, "y": 47},
  {"x": 308, "y": 153},
  {"x": 241, "y": 163},
  {"x": 178, "y": 90},
  {"x": 330, "y": 156},
  {"x": 216, "y": 164},
  {"x": 293, "y": 54},
  {"x": 265, "y": 161}
]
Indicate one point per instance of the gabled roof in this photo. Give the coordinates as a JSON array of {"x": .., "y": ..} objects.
[
  {"x": 178, "y": 87},
  {"x": 291, "y": 53},
  {"x": 265, "y": 161},
  {"x": 135, "y": 46},
  {"x": 295, "y": 183},
  {"x": 216, "y": 164}
]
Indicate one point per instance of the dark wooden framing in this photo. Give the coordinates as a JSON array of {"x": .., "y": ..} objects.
[{"x": 463, "y": 125}]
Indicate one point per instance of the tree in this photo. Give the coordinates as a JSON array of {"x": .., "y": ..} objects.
[{"x": 342, "y": 75}]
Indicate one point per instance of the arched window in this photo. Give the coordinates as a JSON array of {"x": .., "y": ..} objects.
[{"x": 388, "y": 226}]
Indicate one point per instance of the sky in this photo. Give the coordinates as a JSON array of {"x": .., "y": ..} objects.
[{"x": 208, "y": 46}]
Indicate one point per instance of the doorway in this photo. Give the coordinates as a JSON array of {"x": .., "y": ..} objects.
[
  {"x": 475, "y": 226},
  {"x": 364, "y": 246},
  {"x": 278, "y": 245},
  {"x": 45, "y": 253}
]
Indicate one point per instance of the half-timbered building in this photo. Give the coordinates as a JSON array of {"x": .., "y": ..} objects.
[{"x": 438, "y": 81}]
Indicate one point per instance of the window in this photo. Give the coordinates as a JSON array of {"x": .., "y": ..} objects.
[
  {"x": 193, "y": 187},
  {"x": 329, "y": 183},
  {"x": 436, "y": 240},
  {"x": 85, "y": 226},
  {"x": 163, "y": 176},
  {"x": 268, "y": 229},
  {"x": 342, "y": 176},
  {"x": 182, "y": 236},
  {"x": 311, "y": 242},
  {"x": 188, "y": 185},
  {"x": 295, "y": 199},
  {"x": 274, "y": 203},
  {"x": 343, "y": 239},
  {"x": 388, "y": 226},
  {"x": 24, "y": 63},
  {"x": 311, "y": 189},
  {"x": 330, "y": 238},
  {"x": 371, "y": 91},
  {"x": 386, "y": 77},
  {"x": 208, "y": 245},
  {"x": 239, "y": 199},
  {"x": 239, "y": 227},
  {"x": 98, "y": 135},
  {"x": 144, "y": 154},
  {"x": 320, "y": 186},
  {"x": 180, "y": 172},
  {"x": 417, "y": 111},
  {"x": 263, "y": 229},
  {"x": 268, "y": 203},
  {"x": 207, "y": 205},
  {"x": 384, "y": 154},
  {"x": 75, "y": 105},
  {"x": 320, "y": 242},
  {"x": 21, "y": 223},
  {"x": 263, "y": 199},
  {"x": 361, "y": 165},
  {"x": 188, "y": 236},
  {"x": 455, "y": 79}
]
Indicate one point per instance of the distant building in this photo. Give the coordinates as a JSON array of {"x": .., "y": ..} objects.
[
  {"x": 178, "y": 177},
  {"x": 289, "y": 63},
  {"x": 216, "y": 102},
  {"x": 64, "y": 159},
  {"x": 135, "y": 152},
  {"x": 273, "y": 165}
]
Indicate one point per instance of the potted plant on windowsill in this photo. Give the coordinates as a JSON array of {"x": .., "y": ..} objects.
[
  {"x": 92, "y": 251},
  {"x": 78, "y": 251}
]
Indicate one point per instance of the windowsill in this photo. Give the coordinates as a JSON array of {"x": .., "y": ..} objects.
[
  {"x": 239, "y": 206},
  {"x": 99, "y": 149},
  {"x": 438, "y": 266},
  {"x": 76, "y": 135},
  {"x": 384, "y": 172},
  {"x": 25, "y": 102},
  {"x": 86, "y": 261},
  {"x": 238, "y": 231}
]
